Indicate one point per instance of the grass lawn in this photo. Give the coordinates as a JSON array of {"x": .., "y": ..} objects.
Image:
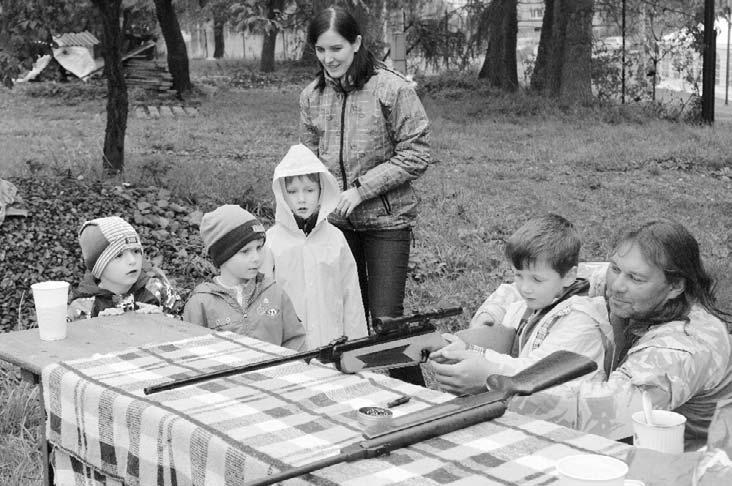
[{"x": 497, "y": 161}]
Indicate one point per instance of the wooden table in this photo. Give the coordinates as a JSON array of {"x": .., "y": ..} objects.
[{"x": 84, "y": 339}]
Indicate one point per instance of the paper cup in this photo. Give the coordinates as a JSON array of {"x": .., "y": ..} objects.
[
  {"x": 591, "y": 470},
  {"x": 665, "y": 435},
  {"x": 50, "y": 299}
]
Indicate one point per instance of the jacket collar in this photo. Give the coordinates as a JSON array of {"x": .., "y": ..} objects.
[{"x": 89, "y": 286}]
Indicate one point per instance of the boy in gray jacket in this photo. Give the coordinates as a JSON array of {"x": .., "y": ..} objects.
[{"x": 240, "y": 299}]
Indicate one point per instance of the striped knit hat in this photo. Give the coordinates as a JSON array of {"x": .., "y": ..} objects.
[{"x": 102, "y": 239}]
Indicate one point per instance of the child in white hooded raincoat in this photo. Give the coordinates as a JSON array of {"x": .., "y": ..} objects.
[{"x": 312, "y": 260}]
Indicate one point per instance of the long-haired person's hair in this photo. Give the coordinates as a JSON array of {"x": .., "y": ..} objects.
[
  {"x": 669, "y": 246},
  {"x": 341, "y": 21}
]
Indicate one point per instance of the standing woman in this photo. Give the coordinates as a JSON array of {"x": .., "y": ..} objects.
[{"x": 369, "y": 128}]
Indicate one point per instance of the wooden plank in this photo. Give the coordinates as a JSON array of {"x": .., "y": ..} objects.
[
  {"x": 154, "y": 113},
  {"x": 91, "y": 336},
  {"x": 178, "y": 110},
  {"x": 165, "y": 112},
  {"x": 192, "y": 111}
]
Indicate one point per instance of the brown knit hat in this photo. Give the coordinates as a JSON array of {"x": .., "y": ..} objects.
[
  {"x": 102, "y": 239},
  {"x": 226, "y": 230}
]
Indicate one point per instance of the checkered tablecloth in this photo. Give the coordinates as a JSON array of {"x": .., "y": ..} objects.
[{"x": 227, "y": 431}]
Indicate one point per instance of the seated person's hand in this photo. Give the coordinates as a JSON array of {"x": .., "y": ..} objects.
[
  {"x": 481, "y": 319},
  {"x": 466, "y": 376},
  {"x": 454, "y": 344}
]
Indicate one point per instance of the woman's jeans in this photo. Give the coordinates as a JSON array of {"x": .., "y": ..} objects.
[{"x": 382, "y": 257}]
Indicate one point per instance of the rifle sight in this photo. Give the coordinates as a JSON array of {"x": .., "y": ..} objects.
[{"x": 390, "y": 325}]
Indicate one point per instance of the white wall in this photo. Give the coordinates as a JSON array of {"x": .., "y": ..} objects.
[{"x": 200, "y": 43}]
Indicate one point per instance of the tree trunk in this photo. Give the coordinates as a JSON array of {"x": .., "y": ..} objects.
[
  {"x": 539, "y": 76},
  {"x": 218, "y": 30},
  {"x": 575, "y": 84},
  {"x": 175, "y": 45},
  {"x": 114, "y": 139},
  {"x": 269, "y": 42},
  {"x": 267, "y": 61},
  {"x": 499, "y": 67},
  {"x": 562, "y": 68}
]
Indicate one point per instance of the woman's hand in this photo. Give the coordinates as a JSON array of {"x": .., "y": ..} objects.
[
  {"x": 348, "y": 202},
  {"x": 466, "y": 376}
]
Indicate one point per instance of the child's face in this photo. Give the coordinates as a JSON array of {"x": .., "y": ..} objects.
[
  {"x": 539, "y": 284},
  {"x": 302, "y": 196},
  {"x": 122, "y": 271},
  {"x": 244, "y": 265}
]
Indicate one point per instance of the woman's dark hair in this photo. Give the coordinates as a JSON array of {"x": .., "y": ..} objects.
[
  {"x": 669, "y": 246},
  {"x": 342, "y": 22}
]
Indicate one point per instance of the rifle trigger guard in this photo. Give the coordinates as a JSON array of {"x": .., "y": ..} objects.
[{"x": 424, "y": 355}]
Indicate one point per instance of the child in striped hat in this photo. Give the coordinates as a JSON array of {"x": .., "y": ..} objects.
[{"x": 117, "y": 281}]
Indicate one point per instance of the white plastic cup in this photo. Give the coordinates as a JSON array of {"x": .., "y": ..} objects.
[
  {"x": 591, "y": 470},
  {"x": 50, "y": 299},
  {"x": 665, "y": 435}
]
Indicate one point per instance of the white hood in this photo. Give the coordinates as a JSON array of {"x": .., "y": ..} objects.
[{"x": 300, "y": 160}]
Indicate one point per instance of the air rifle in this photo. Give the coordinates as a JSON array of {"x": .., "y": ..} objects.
[
  {"x": 396, "y": 342},
  {"x": 452, "y": 415}
]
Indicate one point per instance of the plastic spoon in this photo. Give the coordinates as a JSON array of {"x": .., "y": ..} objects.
[{"x": 647, "y": 407}]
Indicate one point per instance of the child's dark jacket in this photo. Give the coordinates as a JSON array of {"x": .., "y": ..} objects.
[{"x": 152, "y": 293}]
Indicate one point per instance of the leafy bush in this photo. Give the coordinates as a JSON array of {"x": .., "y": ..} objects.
[
  {"x": 606, "y": 72},
  {"x": 72, "y": 92}
]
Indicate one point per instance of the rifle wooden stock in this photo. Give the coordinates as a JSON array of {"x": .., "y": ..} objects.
[{"x": 452, "y": 415}]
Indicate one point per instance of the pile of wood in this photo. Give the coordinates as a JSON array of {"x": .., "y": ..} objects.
[{"x": 149, "y": 74}]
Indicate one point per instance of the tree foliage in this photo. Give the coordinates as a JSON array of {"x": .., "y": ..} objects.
[{"x": 658, "y": 30}]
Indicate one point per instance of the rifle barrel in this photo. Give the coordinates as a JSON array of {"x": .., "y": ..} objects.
[{"x": 231, "y": 371}]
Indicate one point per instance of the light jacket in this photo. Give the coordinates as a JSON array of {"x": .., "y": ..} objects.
[
  {"x": 578, "y": 324},
  {"x": 268, "y": 316},
  {"x": 152, "y": 293},
  {"x": 685, "y": 366},
  {"x": 376, "y": 139},
  {"x": 317, "y": 271}
]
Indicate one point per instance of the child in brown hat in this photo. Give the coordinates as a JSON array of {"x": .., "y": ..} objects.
[
  {"x": 116, "y": 280},
  {"x": 241, "y": 299}
]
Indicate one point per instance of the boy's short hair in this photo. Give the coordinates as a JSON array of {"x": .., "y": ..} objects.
[
  {"x": 550, "y": 237},
  {"x": 312, "y": 177}
]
